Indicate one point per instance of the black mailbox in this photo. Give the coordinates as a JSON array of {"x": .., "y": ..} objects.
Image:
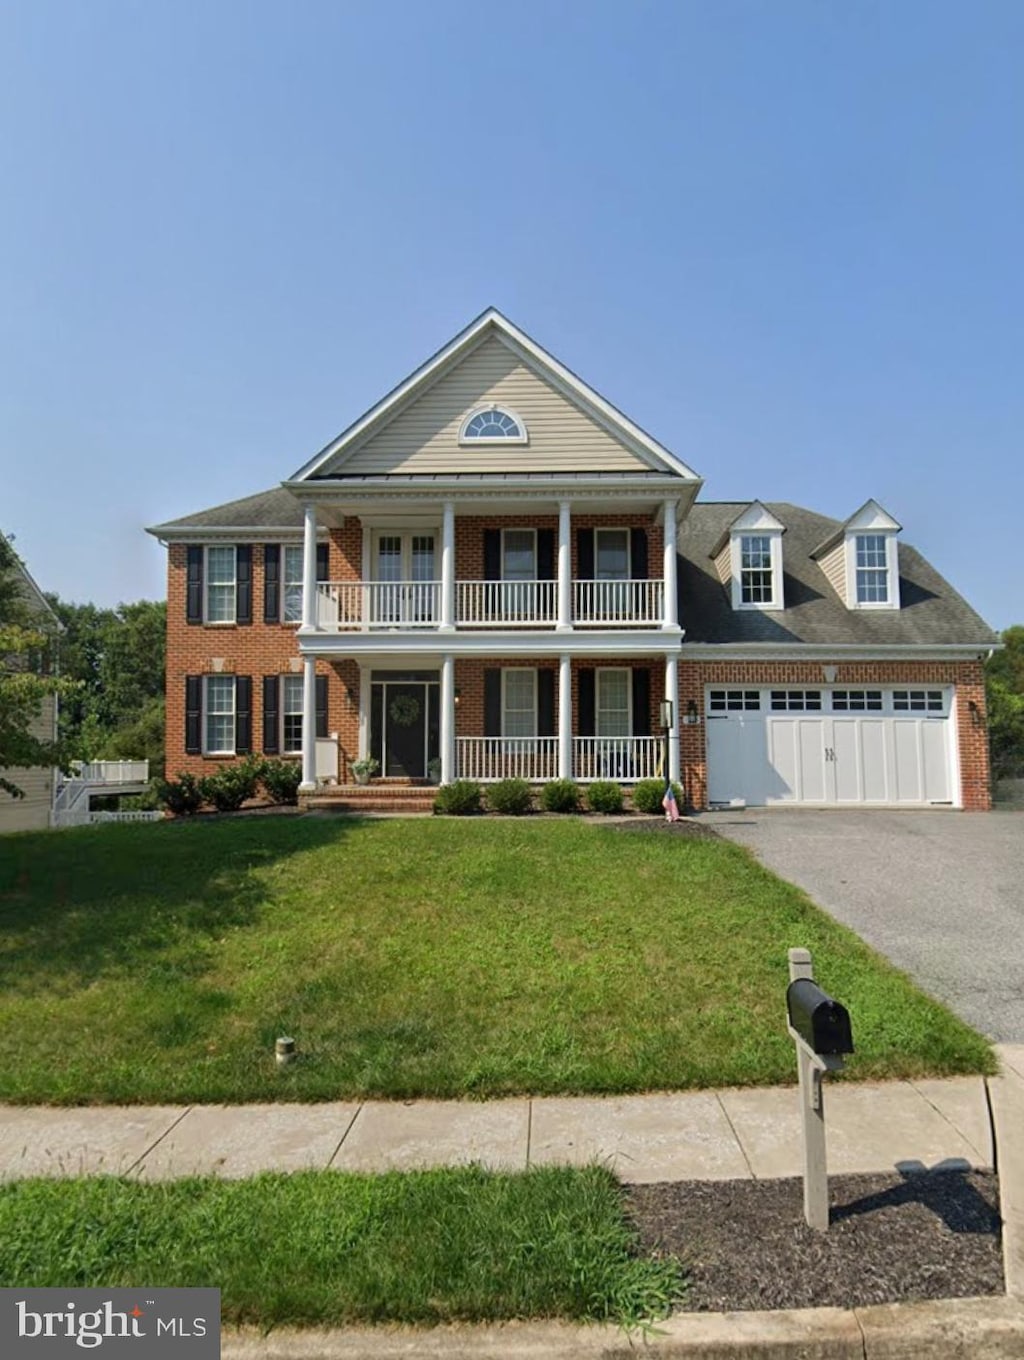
[{"x": 822, "y": 1023}]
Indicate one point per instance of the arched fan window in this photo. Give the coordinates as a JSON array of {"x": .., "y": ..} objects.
[{"x": 492, "y": 425}]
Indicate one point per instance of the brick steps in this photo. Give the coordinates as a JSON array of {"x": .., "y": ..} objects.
[{"x": 397, "y": 796}]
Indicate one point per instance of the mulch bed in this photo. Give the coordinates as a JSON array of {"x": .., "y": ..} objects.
[
  {"x": 686, "y": 826},
  {"x": 891, "y": 1239}
]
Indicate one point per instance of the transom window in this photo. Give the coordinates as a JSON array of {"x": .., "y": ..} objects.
[
  {"x": 614, "y": 705},
  {"x": 220, "y": 585},
  {"x": 493, "y": 423},
  {"x": 292, "y": 592},
  {"x": 219, "y": 703},
  {"x": 291, "y": 714},
  {"x": 918, "y": 701},
  {"x": 872, "y": 569},
  {"x": 756, "y": 584},
  {"x": 734, "y": 700},
  {"x": 856, "y": 701},
  {"x": 796, "y": 700},
  {"x": 518, "y": 703}
]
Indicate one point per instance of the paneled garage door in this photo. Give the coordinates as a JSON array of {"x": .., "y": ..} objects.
[{"x": 890, "y": 746}]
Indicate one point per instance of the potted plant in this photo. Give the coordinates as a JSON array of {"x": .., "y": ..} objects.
[
  {"x": 363, "y": 769},
  {"x": 434, "y": 770}
]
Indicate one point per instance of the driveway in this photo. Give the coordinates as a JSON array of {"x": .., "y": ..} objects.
[{"x": 941, "y": 894}]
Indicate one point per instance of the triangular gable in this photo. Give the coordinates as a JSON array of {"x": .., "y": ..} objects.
[
  {"x": 415, "y": 429},
  {"x": 871, "y": 517},
  {"x": 753, "y": 518}
]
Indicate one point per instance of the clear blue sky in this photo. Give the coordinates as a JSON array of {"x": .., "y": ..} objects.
[{"x": 783, "y": 236}]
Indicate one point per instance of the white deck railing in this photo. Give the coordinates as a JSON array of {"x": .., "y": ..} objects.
[
  {"x": 355, "y": 605},
  {"x": 489, "y": 758},
  {"x": 619, "y": 604},
  {"x": 621, "y": 759},
  {"x": 505, "y": 604},
  {"x": 111, "y": 771}
]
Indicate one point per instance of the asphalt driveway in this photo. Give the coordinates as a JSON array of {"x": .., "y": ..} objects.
[{"x": 941, "y": 894}]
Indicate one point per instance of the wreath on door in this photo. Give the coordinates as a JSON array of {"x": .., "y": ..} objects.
[{"x": 404, "y": 710}]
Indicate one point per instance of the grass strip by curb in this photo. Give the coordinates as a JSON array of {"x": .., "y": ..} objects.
[{"x": 328, "y": 1248}]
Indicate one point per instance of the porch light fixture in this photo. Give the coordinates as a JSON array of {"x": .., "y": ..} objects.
[
  {"x": 665, "y": 714},
  {"x": 976, "y": 719},
  {"x": 692, "y": 718}
]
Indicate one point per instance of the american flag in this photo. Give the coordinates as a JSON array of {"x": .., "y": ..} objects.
[{"x": 669, "y": 804}]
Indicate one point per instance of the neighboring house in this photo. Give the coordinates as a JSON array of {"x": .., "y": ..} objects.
[
  {"x": 32, "y": 813},
  {"x": 494, "y": 572}
]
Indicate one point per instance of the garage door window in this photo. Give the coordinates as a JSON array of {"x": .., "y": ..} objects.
[
  {"x": 917, "y": 701},
  {"x": 856, "y": 701},
  {"x": 796, "y": 700},
  {"x": 734, "y": 700}
]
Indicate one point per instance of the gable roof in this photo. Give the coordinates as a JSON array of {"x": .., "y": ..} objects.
[
  {"x": 533, "y": 356},
  {"x": 931, "y": 612},
  {"x": 31, "y": 593},
  {"x": 754, "y": 515},
  {"x": 871, "y": 515}
]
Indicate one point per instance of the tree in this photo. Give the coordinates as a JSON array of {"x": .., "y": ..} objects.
[
  {"x": 1004, "y": 685},
  {"x": 27, "y": 676}
]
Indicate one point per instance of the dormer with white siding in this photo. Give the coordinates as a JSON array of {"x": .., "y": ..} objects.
[
  {"x": 748, "y": 559},
  {"x": 861, "y": 559}
]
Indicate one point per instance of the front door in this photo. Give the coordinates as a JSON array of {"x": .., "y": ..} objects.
[{"x": 405, "y": 727}]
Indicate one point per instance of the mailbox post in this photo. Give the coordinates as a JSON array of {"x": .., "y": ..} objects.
[{"x": 820, "y": 1029}]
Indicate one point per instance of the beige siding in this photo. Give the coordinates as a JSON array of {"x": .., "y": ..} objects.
[
  {"x": 31, "y": 813},
  {"x": 425, "y": 437},
  {"x": 833, "y": 564},
  {"x": 723, "y": 564}
]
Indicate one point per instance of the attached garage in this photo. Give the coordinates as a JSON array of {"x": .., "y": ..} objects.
[{"x": 888, "y": 746}]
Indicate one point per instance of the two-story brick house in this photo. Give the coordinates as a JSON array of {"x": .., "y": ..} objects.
[{"x": 495, "y": 572}]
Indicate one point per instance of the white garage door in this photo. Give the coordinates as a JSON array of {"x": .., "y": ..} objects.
[{"x": 890, "y": 746}]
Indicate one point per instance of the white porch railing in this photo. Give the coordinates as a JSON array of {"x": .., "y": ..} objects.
[
  {"x": 621, "y": 604},
  {"x": 489, "y": 758},
  {"x": 357, "y": 605},
  {"x": 111, "y": 771},
  {"x": 96, "y": 777},
  {"x": 88, "y": 818},
  {"x": 624, "y": 760},
  {"x": 505, "y": 604}
]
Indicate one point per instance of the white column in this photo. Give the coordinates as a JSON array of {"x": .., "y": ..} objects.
[
  {"x": 448, "y": 569},
  {"x": 309, "y": 568},
  {"x": 447, "y": 718},
  {"x": 564, "y": 621},
  {"x": 671, "y": 618},
  {"x": 672, "y": 693},
  {"x": 565, "y": 717},
  {"x": 308, "y": 725}
]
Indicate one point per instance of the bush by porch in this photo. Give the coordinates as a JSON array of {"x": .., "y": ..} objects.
[{"x": 413, "y": 958}]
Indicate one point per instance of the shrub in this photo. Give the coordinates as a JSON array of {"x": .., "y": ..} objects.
[
  {"x": 511, "y": 797},
  {"x": 604, "y": 796},
  {"x": 229, "y": 788},
  {"x": 281, "y": 779},
  {"x": 648, "y": 794},
  {"x": 461, "y": 799},
  {"x": 182, "y": 796},
  {"x": 561, "y": 795}
]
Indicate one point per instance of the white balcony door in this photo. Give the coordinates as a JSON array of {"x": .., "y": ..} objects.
[{"x": 403, "y": 568}]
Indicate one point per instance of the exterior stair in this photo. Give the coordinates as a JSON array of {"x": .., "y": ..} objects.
[{"x": 383, "y": 796}]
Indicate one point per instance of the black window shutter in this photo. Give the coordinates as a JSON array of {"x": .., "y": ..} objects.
[
  {"x": 641, "y": 701},
  {"x": 194, "y": 589},
  {"x": 271, "y": 583},
  {"x": 545, "y": 554},
  {"x": 587, "y": 717},
  {"x": 585, "y": 556},
  {"x": 193, "y": 714},
  {"x": 321, "y": 705},
  {"x": 243, "y": 583},
  {"x": 492, "y": 554},
  {"x": 638, "y": 554},
  {"x": 492, "y": 703},
  {"x": 546, "y": 703},
  {"x": 323, "y": 561},
  {"x": 243, "y": 714},
  {"x": 271, "y": 715}
]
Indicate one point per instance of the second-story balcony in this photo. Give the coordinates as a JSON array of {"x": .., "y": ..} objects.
[{"x": 366, "y": 606}]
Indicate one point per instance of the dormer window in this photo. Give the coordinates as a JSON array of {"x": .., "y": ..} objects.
[
  {"x": 860, "y": 560},
  {"x": 492, "y": 425},
  {"x": 872, "y": 568},
  {"x": 748, "y": 558},
  {"x": 757, "y": 581}
]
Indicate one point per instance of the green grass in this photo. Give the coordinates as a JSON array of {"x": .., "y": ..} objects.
[
  {"x": 412, "y": 958},
  {"x": 323, "y": 1247}
]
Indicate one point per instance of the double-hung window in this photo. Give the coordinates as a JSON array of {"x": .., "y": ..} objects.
[
  {"x": 757, "y": 583},
  {"x": 518, "y": 702},
  {"x": 291, "y": 583},
  {"x": 291, "y": 714},
  {"x": 221, "y": 587},
  {"x": 872, "y": 566},
  {"x": 219, "y": 715},
  {"x": 613, "y": 708},
  {"x": 519, "y": 555}
]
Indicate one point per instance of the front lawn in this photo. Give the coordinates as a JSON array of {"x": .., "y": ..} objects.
[
  {"x": 411, "y": 958},
  {"x": 327, "y": 1248}
]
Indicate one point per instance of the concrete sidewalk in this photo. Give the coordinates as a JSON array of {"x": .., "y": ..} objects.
[{"x": 719, "y": 1135}]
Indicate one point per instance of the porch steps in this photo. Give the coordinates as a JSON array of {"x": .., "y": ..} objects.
[{"x": 380, "y": 797}]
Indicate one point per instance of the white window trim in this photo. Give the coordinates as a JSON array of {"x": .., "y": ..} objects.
[
  {"x": 472, "y": 441},
  {"x": 291, "y": 623},
  {"x": 406, "y": 532},
  {"x": 603, "y": 670},
  {"x": 520, "y": 529},
  {"x": 234, "y": 715},
  {"x": 615, "y": 529},
  {"x": 892, "y": 568},
  {"x": 774, "y": 537},
  {"x": 233, "y": 620},
  {"x": 507, "y": 670},
  {"x": 282, "y": 714}
]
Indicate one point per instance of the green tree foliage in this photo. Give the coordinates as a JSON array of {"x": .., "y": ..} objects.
[
  {"x": 27, "y": 679},
  {"x": 1004, "y": 683}
]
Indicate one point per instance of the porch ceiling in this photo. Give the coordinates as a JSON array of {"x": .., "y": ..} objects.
[{"x": 428, "y": 650}]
